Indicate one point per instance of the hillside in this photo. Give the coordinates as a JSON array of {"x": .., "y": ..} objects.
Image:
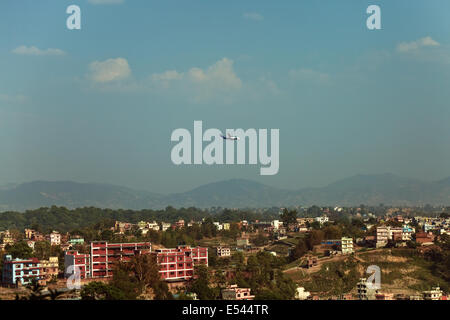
[{"x": 388, "y": 189}]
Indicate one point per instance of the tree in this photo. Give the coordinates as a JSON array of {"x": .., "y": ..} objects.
[
  {"x": 288, "y": 216},
  {"x": 101, "y": 291},
  {"x": 300, "y": 250},
  {"x": 19, "y": 250},
  {"x": 200, "y": 286}
]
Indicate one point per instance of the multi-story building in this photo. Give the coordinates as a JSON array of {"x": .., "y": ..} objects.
[
  {"x": 49, "y": 269},
  {"x": 223, "y": 251},
  {"x": 165, "y": 226},
  {"x": 180, "y": 223},
  {"x": 407, "y": 233},
  {"x": 76, "y": 240},
  {"x": 364, "y": 290},
  {"x": 82, "y": 261},
  {"x": 347, "y": 245},
  {"x": 104, "y": 255},
  {"x": 434, "y": 294},
  {"x": 178, "y": 263},
  {"x": 20, "y": 271},
  {"x": 55, "y": 238},
  {"x": 322, "y": 219},
  {"x": 234, "y": 293},
  {"x": 218, "y": 225},
  {"x": 29, "y": 234},
  {"x": 383, "y": 234}
]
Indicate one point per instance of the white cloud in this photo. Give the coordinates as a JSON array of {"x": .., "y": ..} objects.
[
  {"x": 106, "y": 1},
  {"x": 220, "y": 75},
  {"x": 12, "y": 98},
  {"x": 109, "y": 70},
  {"x": 199, "y": 84},
  {"x": 415, "y": 45},
  {"x": 164, "y": 79},
  {"x": 253, "y": 16},
  {"x": 310, "y": 75},
  {"x": 34, "y": 51}
]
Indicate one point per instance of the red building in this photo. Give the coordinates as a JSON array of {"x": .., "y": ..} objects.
[
  {"x": 104, "y": 255},
  {"x": 80, "y": 260},
  {"x": 178, "y": 263}
]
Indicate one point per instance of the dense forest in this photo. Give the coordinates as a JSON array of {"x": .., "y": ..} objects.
[{"x": 64, "y": 220}]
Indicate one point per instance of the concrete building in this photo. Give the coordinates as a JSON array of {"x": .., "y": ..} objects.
[
  {"x": 434, "y": 294},
  {"x": 223, "y": 251},
  {"x": 234, "y": 293},
  {"x": 364, "y": 291},
  {"x": 81, "y": 261},
  {"x": 20, "y": 271},
  {"x": 50, "y": 269},
  {"x": 301, "y": 294},
  {"x": 55, "y": 238},
  {"x": 178, "y": 264},
  {"x": 104, "y": 255},
  {"x": 347, "y": 245}
]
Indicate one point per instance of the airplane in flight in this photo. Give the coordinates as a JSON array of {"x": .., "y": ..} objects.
[{"x": 230, "y": 137}]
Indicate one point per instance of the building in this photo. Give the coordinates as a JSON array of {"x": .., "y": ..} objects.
[
  {"x": 234, "y": 293},
  {"x": 242, "y": 242},
  {"x": 434, "y": 294},
  {"x": 301, "y": 294},
  {"x": 20, "y": 271},
  {"x": 29, "y": 234},
  {"x": 223, "y": 251},
  {"x": 218, "y": 225},
  {"x": 122, "y": 227},
  {"x": 322, "y": 219},
  {"x": 76, "y": 241},
  {"x": 226, "y": 226},
  {"x": 50, "y": 269},
  {"x": 178, "y": 264},
  {"x": 180, "y": 223},
  {"x": 55, "y": 238},
  {"x": 165, "y": 226},
  {"x": 311, "y": 261},
  {"x": 347, "y": 245},
  {"x": 383, "y": 234},
  {"x": 384, "y": 296},
  {"x": 31, "y": 243},
  {"x": 7, "y": 238},
  {"x": 104, "y": 255},
  {"x": 364, "y": 290},
  {"x": 424, "y": 238},
  {"x": 82, "y": 261},
  {"x": 153, "y": 226},
  {"x": 277, "y": 224}
]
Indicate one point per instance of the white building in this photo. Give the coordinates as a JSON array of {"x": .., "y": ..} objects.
[
  {"x": 223, "y": 251},
  {"x": 301, "y": 294},
  {"x": 165, "y": 226},
  {"x": 322, "y": 219},
  {"x": 218, "y": 225},
  {"x": 277, "y": 224},
  {"x": 434, "y": 294},
  {"x": 55, "y": 238},
  {"x": 347, "y": 245}
]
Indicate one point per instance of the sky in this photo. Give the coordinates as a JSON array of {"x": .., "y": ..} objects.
[{"x": 99, "y": 104}]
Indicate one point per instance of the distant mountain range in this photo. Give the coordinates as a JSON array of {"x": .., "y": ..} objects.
[{"x": 388, "y": 189}]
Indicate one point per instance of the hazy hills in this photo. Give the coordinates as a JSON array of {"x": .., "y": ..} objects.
[{"x": 236, "y": 193}]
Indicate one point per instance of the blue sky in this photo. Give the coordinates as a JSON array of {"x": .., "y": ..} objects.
[{"x": 99, "y": 104}]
